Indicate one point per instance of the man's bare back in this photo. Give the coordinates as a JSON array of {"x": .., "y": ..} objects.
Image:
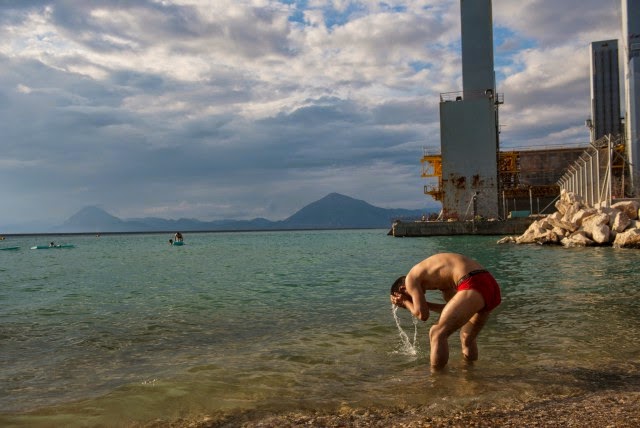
[{"x": 442, "y": 271}]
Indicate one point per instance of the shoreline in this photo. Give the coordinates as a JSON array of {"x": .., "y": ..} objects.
[{"x": 606, "y": 408}]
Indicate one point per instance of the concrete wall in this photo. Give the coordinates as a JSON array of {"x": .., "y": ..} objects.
[
  {"x": 544, "y": 167},
  {"x": 515, "y": 226},
  {"x": 469, "y": 157}
]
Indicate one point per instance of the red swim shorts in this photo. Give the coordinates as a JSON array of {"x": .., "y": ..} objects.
[{"x": 483, "y": 282}]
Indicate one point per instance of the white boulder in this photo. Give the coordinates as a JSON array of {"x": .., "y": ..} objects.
[
  {"x": 577, "y": 239},
  {"x": 629, "y": 207},
  {"x": 620, "y": 221},
  {"x": 628, "y": 239}
]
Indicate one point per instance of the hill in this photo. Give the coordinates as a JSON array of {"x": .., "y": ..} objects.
[
  {"x": 94, "y": 219},
  {"x": 334, "y": 211}
]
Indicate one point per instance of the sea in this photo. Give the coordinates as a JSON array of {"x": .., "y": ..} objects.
[{"x": 125, "y": 330}]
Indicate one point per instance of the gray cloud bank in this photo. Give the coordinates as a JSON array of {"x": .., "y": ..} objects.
[{"x": 243, "y": 109}]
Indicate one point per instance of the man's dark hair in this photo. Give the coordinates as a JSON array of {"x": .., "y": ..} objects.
[{"x": 395, "y": 288}]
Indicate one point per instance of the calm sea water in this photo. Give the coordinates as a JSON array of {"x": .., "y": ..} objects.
[{"x": 125, "y": 328}]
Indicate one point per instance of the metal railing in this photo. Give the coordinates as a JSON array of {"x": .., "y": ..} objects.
[
  {"x": 472, "y": 95},
  {"x": 592, "y": 175}
]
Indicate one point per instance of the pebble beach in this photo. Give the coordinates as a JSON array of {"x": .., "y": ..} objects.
[{"x": 611, "y": 408}]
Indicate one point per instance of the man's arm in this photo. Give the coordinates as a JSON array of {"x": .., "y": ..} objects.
[
  {"x": 436, "y": 307},
  {"x": 418, "y": 304}
]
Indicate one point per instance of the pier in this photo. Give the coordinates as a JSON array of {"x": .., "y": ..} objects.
[{"x": 513, "y": 226}]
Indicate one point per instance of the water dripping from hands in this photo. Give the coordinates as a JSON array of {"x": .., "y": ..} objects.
[{"x": 408, "y": 347}]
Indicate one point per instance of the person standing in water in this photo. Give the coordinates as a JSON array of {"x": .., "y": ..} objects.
[{"x": 470, "y": 293}]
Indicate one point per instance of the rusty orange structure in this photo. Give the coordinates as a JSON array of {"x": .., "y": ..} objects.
[
  {"x": 432, "y": 168},
  {"x": 523, "y": 175}
]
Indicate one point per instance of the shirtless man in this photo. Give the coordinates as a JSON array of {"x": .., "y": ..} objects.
[{"x": 471, "y": 294}]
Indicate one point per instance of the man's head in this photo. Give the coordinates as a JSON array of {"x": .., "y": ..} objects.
[
  {"x": 398, "y": 286},
  {"x": 399, "y": 293}
]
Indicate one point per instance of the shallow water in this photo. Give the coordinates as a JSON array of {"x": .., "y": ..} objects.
[{"x": 125, "y": 328}]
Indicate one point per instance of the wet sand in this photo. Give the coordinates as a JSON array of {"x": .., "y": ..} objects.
[{"x": 619, "y": 408}]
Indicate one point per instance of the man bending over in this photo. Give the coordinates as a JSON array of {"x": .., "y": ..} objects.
[{"x": 471, "y": 294}]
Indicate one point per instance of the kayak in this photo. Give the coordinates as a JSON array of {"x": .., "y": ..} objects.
[
  {"x": 178, "y": 243},
  {"x": 47, "y": 247},
  {"x": 9, "y": 248}
]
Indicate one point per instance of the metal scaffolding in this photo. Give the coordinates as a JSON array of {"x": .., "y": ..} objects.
[{"x": 526, "y": 176}]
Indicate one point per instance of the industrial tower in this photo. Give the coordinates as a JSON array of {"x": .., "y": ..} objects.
[
  {"x": 631, "y": 60},
  {"x": 605, "y": 90},
  {"x": 469, "y": 123}
]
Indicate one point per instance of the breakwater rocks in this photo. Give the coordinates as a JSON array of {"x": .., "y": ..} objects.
[{"x": 576, "y": 225}]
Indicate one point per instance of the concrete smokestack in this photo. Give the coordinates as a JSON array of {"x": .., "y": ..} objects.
[
  {"x": 631, "y": 61},
  {"x": 477, "y": 46}
]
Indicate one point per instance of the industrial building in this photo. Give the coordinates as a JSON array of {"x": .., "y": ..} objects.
[
  {"x": 605, "y": 90},
  {"x": 475, "y": 178},
  {"x": 469, "y": 167},
  {"x": 526, "y": 178},
  {"x": 616, "y": 173}
]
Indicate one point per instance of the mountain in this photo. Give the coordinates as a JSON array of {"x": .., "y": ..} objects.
[
  {"x": 94, "y": 219},
  {"x": 334, "y": 211}
]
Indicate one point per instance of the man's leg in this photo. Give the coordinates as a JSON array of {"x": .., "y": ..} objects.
[
  {"x": 469, "y": 333},
  {"x": 457, "y": 312}
]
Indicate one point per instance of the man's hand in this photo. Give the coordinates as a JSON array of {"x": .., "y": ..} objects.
[
  {"x": 397, "y": 300},
  {"x": 400, "y": 299}
]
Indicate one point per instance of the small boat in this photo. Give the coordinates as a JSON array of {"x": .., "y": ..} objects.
[
  {"x": 50, "y": 247},
  {"x": 178, "y": 243},
  {"x": 9, "y": 248}
]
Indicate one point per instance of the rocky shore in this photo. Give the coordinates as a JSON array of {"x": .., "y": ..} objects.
[
  {"x": 620, "y": 409},
  {"x": 577, "y": 225}
]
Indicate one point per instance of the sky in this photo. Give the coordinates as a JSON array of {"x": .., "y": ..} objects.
[{"x": 255, "y": 108}]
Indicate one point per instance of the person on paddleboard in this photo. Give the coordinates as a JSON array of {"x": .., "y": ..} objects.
[{"x": 470, "y": 293}]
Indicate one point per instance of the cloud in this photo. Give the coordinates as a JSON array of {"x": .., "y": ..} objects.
[
  {"x": 245, "y": 108},
  {"x": 553, "y": 23}
]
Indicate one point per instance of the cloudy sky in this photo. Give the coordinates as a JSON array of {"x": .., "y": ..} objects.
[{"x": 254, "y": 108}]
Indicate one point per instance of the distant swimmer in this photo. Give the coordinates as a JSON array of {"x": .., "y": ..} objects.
[
  {"x": 52, "y": 244},
  {"x": 170, "y": 241},
  {"x": 178, "y": 237},
  {"x": 470, "y": 293}
]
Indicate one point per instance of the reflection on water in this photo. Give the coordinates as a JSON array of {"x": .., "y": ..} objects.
[{"x": 126, "y": 328}]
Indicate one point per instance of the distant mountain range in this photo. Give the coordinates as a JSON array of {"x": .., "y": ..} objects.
[{"x": 334, "y": 211}]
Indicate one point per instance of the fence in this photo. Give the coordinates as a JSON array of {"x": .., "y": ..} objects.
[{"x": 600, "y": 174}]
